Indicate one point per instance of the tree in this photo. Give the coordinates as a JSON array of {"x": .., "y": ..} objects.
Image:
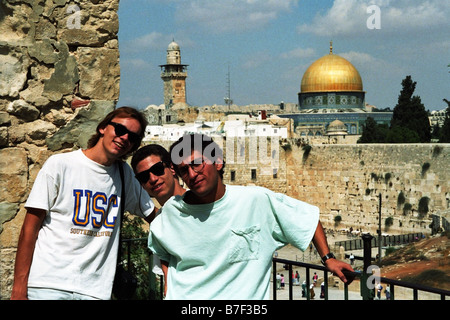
[
  {"x": 369, "y": 131},
  {"x": 400, "y": 134},
  {"x": 373, "y": 132},
  {"x": 139, "y": 256},
  {"x": 410, "y": 115},
  {"x": 436, "y": 132},
  {"x": 445, "y": 130}
]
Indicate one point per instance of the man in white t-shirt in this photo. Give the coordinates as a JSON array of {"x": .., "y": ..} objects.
[
  {"x": 218, "y": 240},
  {"x": 70, "y": 236}
]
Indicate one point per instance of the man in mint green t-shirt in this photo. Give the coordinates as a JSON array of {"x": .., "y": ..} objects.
[{"x": 218, "y": 240}]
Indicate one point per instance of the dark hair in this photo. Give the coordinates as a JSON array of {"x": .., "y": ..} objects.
[
  {"x": 122, "y": 112},
  {"x": 148, "y": 150},
  {"x": 199, "y": 142}
]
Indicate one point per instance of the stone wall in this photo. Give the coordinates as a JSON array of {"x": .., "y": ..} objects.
[
  {"x": 346, "y": 180},
  {"x": 59, "y": 69},
  {"x": 283, "y": 107}
]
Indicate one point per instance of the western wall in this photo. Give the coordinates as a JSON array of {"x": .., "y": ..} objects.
[
  {"x": 346, "y": 181},
  {"x": 59, "y": 80}
]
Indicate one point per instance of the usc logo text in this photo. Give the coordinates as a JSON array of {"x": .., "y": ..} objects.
[{"x": 92, "y": 208}]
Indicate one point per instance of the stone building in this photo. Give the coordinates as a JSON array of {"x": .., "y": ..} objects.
[
  {"x": 174, "y": 75},
  {"x": 160, "y": 115},
  {"x": 437, "y": 117}
]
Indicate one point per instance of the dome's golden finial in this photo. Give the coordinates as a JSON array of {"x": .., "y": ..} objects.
[{"x": 331, "y": 47}]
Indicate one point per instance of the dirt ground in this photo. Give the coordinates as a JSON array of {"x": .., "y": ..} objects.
[{"x": 411, "y": 261}]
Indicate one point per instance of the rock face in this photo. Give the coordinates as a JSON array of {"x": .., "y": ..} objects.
[{"x": 59, "y": 75}]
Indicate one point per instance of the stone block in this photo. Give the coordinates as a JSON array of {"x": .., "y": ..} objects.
[
  {"x": 7, "y": 212},
  {"x": 13, "y": 161},
  {"x": 5, "y": 119},
  {"x": 78, "y": 130},
  {"x": 65, "y": 77},
  {"x": 13, "y": 174},
  {"x": 39, "y": 130},
  {"x": 23, "y": 110},
  {"x": 3, "y": 136},
  {"x": 15, "y": 21},
  {"x": 43, "y": 51},
  {"x": 99, "y": 73},
  {"x": 13, "y": 69}
]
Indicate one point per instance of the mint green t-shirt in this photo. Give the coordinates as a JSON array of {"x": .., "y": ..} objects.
[{"x": 223, "y": 250}]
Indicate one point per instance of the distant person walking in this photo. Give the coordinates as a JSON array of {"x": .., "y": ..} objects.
[{"x": 278, "y": 281}]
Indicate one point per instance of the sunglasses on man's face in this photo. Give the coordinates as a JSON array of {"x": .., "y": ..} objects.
[
  {"x": 121, "y": 130},
  {"x": 157, "y": 169}
]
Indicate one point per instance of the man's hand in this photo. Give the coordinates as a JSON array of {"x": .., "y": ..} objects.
[{"x": 337, "y": 267}]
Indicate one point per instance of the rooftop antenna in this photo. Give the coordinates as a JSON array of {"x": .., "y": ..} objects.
[{"x": 227, "y": 99}]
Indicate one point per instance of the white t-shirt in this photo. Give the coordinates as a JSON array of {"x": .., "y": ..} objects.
[
  {"x": 77, "y": 246},
  {"x": 157, "y": 268},
  {"x": 223, "y": 250}
]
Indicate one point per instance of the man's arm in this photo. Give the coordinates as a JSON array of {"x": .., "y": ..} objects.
[
  {"x": 165, "y": 268},
  {"x": 25, "y": 249},
  {"x": 333, "y": 265}
]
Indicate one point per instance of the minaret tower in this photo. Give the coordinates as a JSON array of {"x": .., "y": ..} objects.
[{"x": 174, "y": 75}]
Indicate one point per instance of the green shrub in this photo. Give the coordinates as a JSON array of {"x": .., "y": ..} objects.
[
  {"x": 407, "y": 207},
  {"x": 337, "y": 219},
  {"x": 401, "y": 199},
  {"x": 423, "y": 206},
  {"x": 425, "y": 168},
  {"x": 389, "y": 222}
]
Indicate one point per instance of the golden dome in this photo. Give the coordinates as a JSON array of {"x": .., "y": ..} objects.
[{"x": 331, "y": 73}]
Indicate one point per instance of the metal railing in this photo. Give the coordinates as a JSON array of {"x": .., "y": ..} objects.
[
  {"x": 367, "y": 279},
  {"x": 392, "y": 240},
  {"x": 154, "y": 291}
]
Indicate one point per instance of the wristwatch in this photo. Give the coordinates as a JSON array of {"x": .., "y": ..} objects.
[{"x": 328, "y": 256}]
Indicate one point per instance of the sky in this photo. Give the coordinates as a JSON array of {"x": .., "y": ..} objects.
[{"x": 267, "y": 45}]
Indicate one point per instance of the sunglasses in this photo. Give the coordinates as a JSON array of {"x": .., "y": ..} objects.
[
  {"x": 157, "y": 169},
  {"x": 121, "y": 130}
]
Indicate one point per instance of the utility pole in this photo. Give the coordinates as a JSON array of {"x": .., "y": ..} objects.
[
  {"x": 379, "y": 231},
  {"x": 228, "y": 100}
]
